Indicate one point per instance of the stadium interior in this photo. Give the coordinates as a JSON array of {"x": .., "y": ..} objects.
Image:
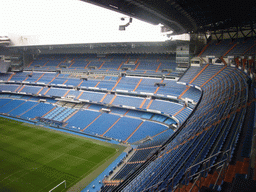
[{"x": 184, "y": 110}]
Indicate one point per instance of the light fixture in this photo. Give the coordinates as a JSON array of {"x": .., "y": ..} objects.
[{"x": 122, "y": 27}]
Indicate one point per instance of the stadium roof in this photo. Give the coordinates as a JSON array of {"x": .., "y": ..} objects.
[
  {"x": 187, "y": 15},
  {"x": 167, "y": 47}
]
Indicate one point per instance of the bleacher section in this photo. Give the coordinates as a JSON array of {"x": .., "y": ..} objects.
[
  {"x": 59, "y": 113},
  {"x": 21, "y": 109},
  {"x": 210, "y": 130},
  {"x": 115, "y": 62},
  {"x": 144, "y": 108},
  {"x": 228, "y": 47},
  {"x": 60, "y": 82},
  {"x": 170, "y": 108},
  {"x": 31, "y": 89},
  {"x": 97, "y": 123},
  {"x": 146, "y": 129},
  {"x": 37, "y": 110},
  {"x": 9, "y": 87},
  {"x": 127, "y": 100},
  {"x": 143, "y": 151},
  {"x": 166, "y": 106},
  {"x": 120, "y": 129}
]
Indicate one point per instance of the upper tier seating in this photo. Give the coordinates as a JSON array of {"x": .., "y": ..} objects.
[
  {"x": 218, "y": 49},
  {"x": 114, "y": 62},
  {"x": 227, "y": 47}
]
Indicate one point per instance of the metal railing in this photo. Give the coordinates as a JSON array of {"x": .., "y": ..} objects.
[{"x": 221, "y": 167}]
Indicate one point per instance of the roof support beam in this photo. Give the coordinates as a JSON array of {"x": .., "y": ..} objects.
[{"x": 218, "y": 37}]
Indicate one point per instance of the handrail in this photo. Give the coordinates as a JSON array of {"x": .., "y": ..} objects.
[
  {"x": 144, "y": 165},
  {"x": 224, "y": 163},
  {"x": 220, "y": 162},
  {"x": 204, "y": 162}
]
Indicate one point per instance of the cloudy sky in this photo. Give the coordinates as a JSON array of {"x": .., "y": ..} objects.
[{"x": 68, "y": 21}]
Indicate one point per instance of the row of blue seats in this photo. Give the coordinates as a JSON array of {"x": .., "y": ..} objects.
[
  {"x": 24, "y": 109},
  {"x": 26, "y": 97},
  {"x": 228, "y": 127},
  {"x": 139, "y": 67},
  {"x": 28, "y": 110},
  {"x": 92, "y": 60},
  {"x": 189, "y": 75},
  {"x": 119, "y": 130},
  {"x": 220, "y": 48},
  {"x": 143, "y": 151},
  {"x": 174, "y": 163},
  {"x": 164, "y": 106},
  {"x": 183, "y": 115},
  {"x": 126, "y": 83},
  {"x": 59, "y": 113},
  {"x": 126, "y": 171}
]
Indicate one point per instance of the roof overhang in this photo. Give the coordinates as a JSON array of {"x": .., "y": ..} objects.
[
  {"x": 175, "y": 18},
  {"x": 166, "y": 47}
]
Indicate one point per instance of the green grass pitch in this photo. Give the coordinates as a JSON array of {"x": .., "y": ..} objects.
[{"x": 35, "y": 159}]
